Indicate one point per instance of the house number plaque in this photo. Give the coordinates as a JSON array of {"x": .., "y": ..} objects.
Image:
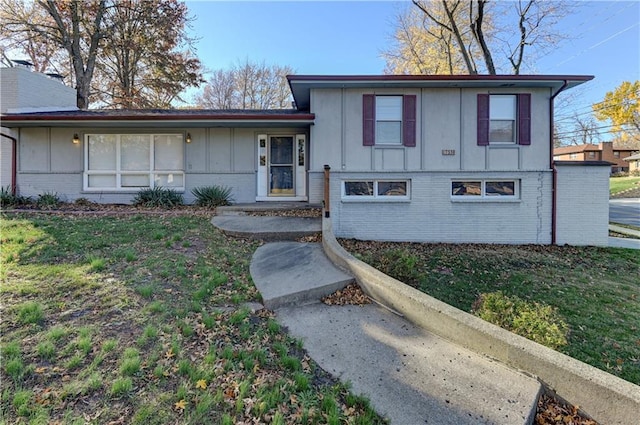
[{"x": 448, "y": 151}]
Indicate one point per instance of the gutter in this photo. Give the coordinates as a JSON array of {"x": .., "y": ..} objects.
[
  {"x": 552, "y": 165},
  {"x": 14, "y": 161}
]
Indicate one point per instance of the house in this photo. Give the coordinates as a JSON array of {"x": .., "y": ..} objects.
[
  {"x": 604, "y": 151},
  {"x": 411, "y": 158},
  {"x": 634, "y": 163}
]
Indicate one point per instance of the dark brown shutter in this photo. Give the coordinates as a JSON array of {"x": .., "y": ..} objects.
[
  {"x": 409, "y": 120},
  {"x": 483, "y": 119},
  {"x": 524, "y": 119},
  {"x": 368, "y": 119}
]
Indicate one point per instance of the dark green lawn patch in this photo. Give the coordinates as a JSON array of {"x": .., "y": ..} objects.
[
  {"x": 596, "y": 291},
  {"x": 137, "y": 319}
]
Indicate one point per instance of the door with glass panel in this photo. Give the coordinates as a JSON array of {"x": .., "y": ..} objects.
[{"x": 281, "y": 166}]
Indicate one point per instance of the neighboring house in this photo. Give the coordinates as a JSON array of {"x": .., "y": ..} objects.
[
  {"x": 604, "y": 151},
  {"x": 634, "y": 163},
  {"x": 413, "y": 158}
]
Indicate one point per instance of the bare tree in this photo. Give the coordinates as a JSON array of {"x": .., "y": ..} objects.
[
  {"x": 481, "y": 31},
  {"x": 122, "y": 53},
  {"x": 247, "y": 85}
]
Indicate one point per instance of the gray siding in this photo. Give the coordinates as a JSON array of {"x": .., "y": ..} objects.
[
  {"x": 50, "y": 162},
  {"x": 6, "y": 157},
  {"x": 446, "y": 120}
]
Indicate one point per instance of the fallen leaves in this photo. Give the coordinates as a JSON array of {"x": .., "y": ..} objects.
[
  {"x": 350, "y": 295},
  {"x": 181, "y": 405},
  {"x": 553, "y": 412}
]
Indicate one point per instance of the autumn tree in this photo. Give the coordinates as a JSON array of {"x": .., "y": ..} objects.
[
  {"x": 121, "y": 53},
  {"x": 419, "y": 47},
  {"x": 44, "y": 56},
  {"x": 480, "y": 36},
  {"x": 142, "y": 65},
  {"x": 247, "y": 85},
  {"x": 77, "y": 27},
  {"x": 621, "y": 108}
]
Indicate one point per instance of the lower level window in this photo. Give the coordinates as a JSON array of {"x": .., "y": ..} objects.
[
  {"x": 376, "y": 189},
  {"x": 485, "y": 189},
  {"x": 133, "y": 161}
]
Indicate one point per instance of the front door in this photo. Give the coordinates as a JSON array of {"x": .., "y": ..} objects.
[
  {"x": 282, "y": 169},
  {"x": 281, "y": 166}
]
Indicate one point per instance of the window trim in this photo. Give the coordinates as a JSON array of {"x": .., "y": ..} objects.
[
  {"x": 118, "y": 172},
  {"x": 483, "y": 196},
  {"x": 375, "y": 197}
]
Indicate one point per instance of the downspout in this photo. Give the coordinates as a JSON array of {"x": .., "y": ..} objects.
[
  {"x": 552, "y": 164},
  {"x": 14, "y": 161}
]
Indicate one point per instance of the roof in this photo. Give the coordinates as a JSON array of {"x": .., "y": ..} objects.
[
  {"x": 161, "y": 118},
  {"x": 635, "y": 157},
  {"x": 301, "y": 85},
  {"x": 563, "y": 150}
]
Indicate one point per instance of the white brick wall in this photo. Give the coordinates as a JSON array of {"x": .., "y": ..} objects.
[
  {"x": 24, "y": 91},
  {"x": 432, "y": 216},
  {"x": 583, "y": 204}
]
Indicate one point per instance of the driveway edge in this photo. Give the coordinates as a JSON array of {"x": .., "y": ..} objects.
[{"x": 607, "y": 398}]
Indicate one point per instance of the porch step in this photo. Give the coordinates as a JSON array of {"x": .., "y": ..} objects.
[
  {"x": 262, "y": 207},
  {"x": 266, "y": 227},
  {"x": 293, "y": 273}
]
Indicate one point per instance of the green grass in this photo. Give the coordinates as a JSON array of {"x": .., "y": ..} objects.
[
  {"x": 596, "y": 291},
  {"x": 618, "y": 184},
  {"x": 120, "y": 316}
]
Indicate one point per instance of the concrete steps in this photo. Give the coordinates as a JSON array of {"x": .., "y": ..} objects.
[
  {"x": 293, "y": 274},
  {"x": 267, "y": 228}
]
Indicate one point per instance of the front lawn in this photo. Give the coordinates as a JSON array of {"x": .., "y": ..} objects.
[
  {"x": 619, "y": 184},
  {"x": 596, "y": 291},
  {"x": 137, "y": 319}
]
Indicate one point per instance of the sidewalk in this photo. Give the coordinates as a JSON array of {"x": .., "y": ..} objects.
[{"x": 410, "y": 375}]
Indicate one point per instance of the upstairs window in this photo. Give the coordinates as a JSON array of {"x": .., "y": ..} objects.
[
  {"x": 389, "y": 120},
  {"x": 504, "y": 119}
]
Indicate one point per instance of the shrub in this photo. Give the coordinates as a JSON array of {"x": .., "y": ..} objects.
[
  {"x": 212, "y": 196},
  {"x": 8, "y": 199},
  {"x": 538, "y": 322},
  {"x": 47, "y": 200},
  {"x": 402, "y": 265},
  {"x": 83, "y": 202},
  {"x": 158, "y": 197}
]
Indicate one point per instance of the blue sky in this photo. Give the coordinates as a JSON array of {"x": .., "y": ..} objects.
[{"x": 338, "y": 37}]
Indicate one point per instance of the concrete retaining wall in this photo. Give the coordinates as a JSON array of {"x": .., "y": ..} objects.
[{"x": 606, "y": 398}]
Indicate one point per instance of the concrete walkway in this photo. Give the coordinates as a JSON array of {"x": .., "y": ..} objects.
[
  {"x": 410, "y": 375},
  {"x": 633, "y": 242}
]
